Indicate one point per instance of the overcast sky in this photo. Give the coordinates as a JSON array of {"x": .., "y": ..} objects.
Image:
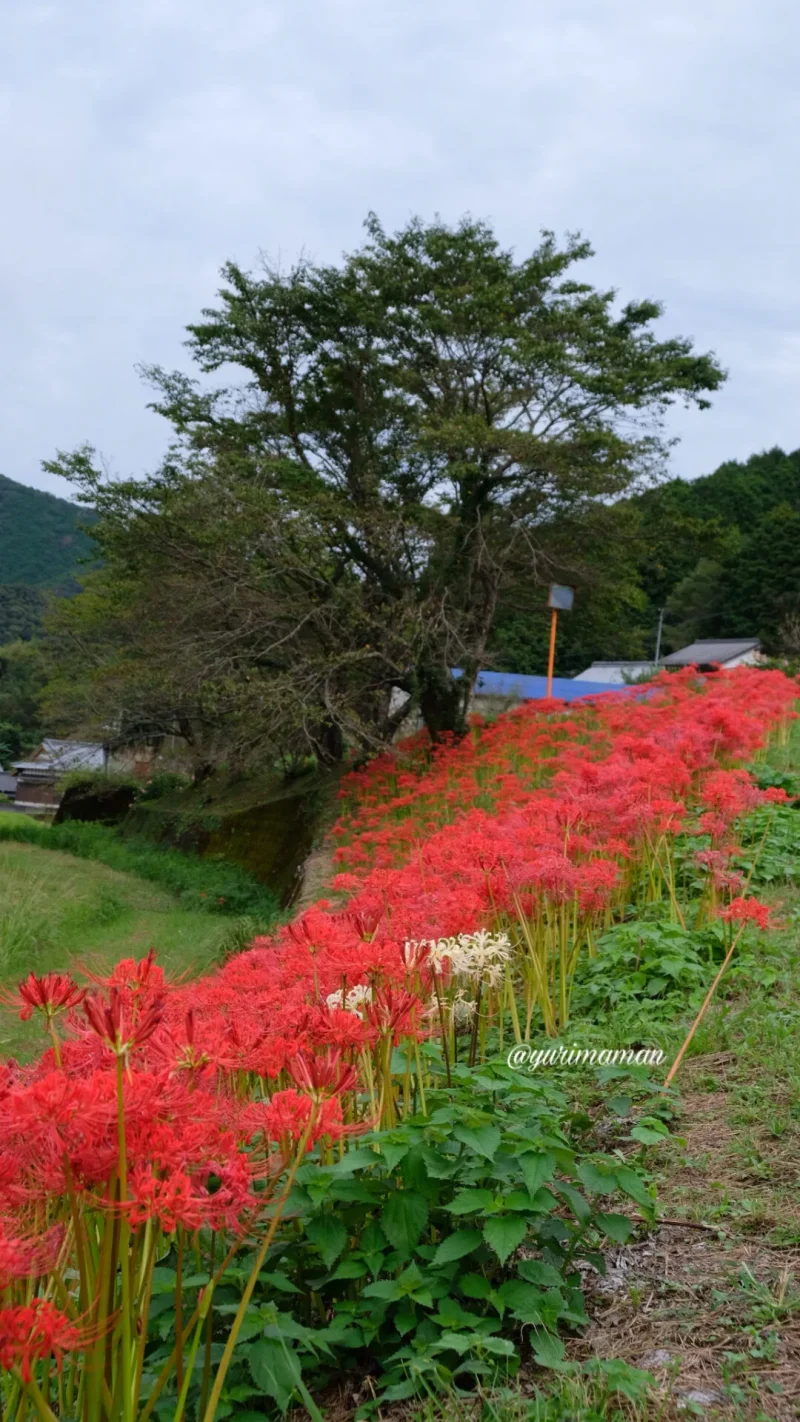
[{"x": 147, "y": 141}]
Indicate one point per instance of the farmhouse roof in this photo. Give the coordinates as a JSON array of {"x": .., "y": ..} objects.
[
  {"x": 717, "y": 649},
  {"x": 58, "y": 757},
  {"x": 534, "y": 688},
  {"x": 74, "y": 755}
]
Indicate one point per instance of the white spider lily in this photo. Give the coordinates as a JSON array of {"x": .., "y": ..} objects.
[{"x": 353, "y": 1001}]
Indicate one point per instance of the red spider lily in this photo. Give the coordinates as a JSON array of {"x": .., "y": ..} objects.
[
  {"x": 24, "y": 1258},
  {"x": 323, "y": 1076},
  {"x": 107, "y": 1021},
  {"x": 50, "y": 995},
  {"x": 394, "y": 1011},
  {"x": 37, "y": 1330},
  {"x": 291, "y": 1115},
  {"x": 747, "y": 911}
]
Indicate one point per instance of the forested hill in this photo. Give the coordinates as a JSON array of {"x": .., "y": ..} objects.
[
  {"x": 41, "y": 548},
  {"x": 721, "y": 553}
]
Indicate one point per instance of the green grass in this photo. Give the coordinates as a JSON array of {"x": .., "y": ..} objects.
[
  {"x": 205, "y": 885},
  {"x": 58, "y": 911}
]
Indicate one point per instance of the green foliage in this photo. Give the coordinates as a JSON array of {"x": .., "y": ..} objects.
[
  {"x": 41, "y": 538},
  {"x": 96, "y": 781},
  {"x": 426, "y": 1254},
  {"x": 22, "y": 612},
  {"x": 719, "y": 552},
  {"x": 22, "y": 679},
  {"x": 645, "y": 971},
  {"x": 415, "y": 436},
  {"x": 776, "y": 858},
  {"x": 164, "y": 782},
  {"x": 209, "y": 884}
]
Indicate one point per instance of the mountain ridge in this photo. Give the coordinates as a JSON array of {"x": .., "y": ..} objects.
[{"x": 42, "y": 548}]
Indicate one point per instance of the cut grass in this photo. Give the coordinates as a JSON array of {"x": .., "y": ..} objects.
[
  {"x": 57, "y": 912},
  {"x": 210, "y": 885}
]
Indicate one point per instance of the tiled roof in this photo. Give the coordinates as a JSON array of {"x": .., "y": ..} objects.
[{"x": 716, "y": 649}]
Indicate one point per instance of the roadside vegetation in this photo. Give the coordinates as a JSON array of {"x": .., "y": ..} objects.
[
  {"x": 59, "y": 913},
  {"x": 202, "y": 885},
  {"x": 401, "y": 1216}
]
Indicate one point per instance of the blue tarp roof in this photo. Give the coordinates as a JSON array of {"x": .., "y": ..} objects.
[{"x": 534, "y": 688}]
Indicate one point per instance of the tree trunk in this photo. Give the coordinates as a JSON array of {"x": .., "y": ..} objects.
[
  {"x": 328, "y": 743},
  {"x": 442, "y": 702}
]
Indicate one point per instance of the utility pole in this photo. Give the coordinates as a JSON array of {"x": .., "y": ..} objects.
[
  {"x": 661, "y": 611},
  {"x": 560, "y": 599},
  {"x": 552, "y": 654}
]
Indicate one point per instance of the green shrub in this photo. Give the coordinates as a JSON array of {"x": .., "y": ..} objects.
[
  {"x": 164, "y": 782},
  {"x": 428, "y": 1255},
  {"x": 94, "y": 782}
]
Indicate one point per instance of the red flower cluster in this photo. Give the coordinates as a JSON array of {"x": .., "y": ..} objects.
[
  {"x": 547, "y": 817},
  {"x": 36, "y": 1330}
]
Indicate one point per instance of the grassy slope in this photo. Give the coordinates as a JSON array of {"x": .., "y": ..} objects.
[{"x": 57, "y": 912}]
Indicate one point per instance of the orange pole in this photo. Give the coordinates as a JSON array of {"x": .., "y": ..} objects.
[{"x": 552, "y": 656}]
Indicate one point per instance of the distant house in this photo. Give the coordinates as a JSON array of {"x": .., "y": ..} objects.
[
  {"x": 8, "y": 785},
  {"x": 37, "y": 778},
  {"x": 726, "y": 652},
  {"x": 615, "y": 673}
]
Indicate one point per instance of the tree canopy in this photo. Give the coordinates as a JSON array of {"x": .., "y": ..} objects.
[
  {"x": 719, "y": 553},
  {"x": 409, "y": 444}
]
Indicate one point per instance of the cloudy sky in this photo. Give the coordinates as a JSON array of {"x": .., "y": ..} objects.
[{"x": 146, "y": 141}]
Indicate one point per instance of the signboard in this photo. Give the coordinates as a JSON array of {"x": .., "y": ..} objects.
[{"x": 561, "y": 598}]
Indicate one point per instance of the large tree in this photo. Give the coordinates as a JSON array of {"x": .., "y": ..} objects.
[{"x": 400, "y": 438}]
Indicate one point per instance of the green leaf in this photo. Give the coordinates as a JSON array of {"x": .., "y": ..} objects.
[
  {"x": 537, "y": 1167},
  {"x": 620, "y": 1105},
  {"x": 278, "y": 1281},
  {"x": 516, "y": 1294},
  {"x": 252, "y": 1325},
  {"x": 439, "y": 1165},
  {"x": 505, "y": 1234},
  {"x": 393, "y": 1152},
  {"x": 547, "y": 1350},
  {"x": 580, "y": 1207},
  {"x": 619, "y": 1376},
  {"x": 617, "y": 1227},
  {"x": 275, "y": 1368},
  {"x": 454, "y": 1342},
  {"x": 350, "y": 1269},
  {"x": 598, "y": 1181},
  {"x": 544, "y": 1201},
  {"x": 484, "y": 1140},
  {"x": 654, "y": 1133},
  {"x": 404, "y": 1320},
  {"x": 474, "y": 1286},
  {"x": 537, "y": 1272},
  {"x": 387, "y": 1289},
  {"x": 471, "y": 1202},
  {"x": 359, "y": 1159},
  {"x": 373, "y": 1240},
  {"x": 398, "y": 1392},
  {"x": 163, "y": 1280},
  {"x": 502, "y": 1347},
  {"x": 456, "y": 1245},
  {"x": 633, "y": 1185},
  {"x": 328, "y": 1235},
  {"x": 403, "y": 1219}
]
